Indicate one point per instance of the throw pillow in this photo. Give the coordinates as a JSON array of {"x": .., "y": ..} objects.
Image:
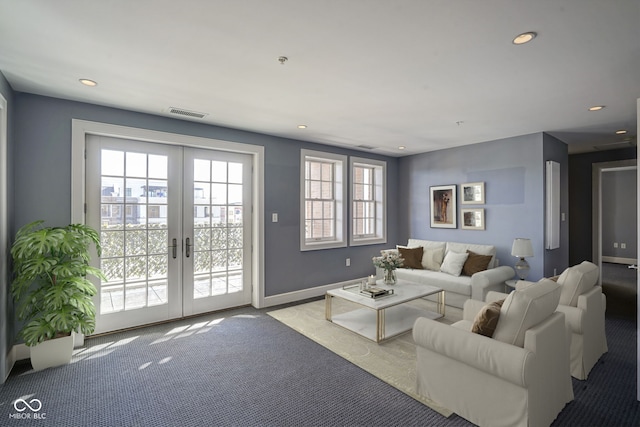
[
  {"x": 412, "y": 257},
  {"x": 432, "y": 258},
  {"x": 486, "y": 320},
  {"x": 475, "y": 263},
  {"x": 453, "y": 263}
]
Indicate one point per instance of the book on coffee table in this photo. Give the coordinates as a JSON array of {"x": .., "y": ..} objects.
[{"x": 376, "y": 292}]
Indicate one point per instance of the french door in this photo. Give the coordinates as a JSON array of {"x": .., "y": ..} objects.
[{"x": 175, "y": 230}]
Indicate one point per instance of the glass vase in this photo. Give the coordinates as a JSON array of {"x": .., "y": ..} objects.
[{"x": 390, "y": 277}]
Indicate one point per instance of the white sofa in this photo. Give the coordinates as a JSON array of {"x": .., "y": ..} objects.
[
  {"x": 460, "y": 288},
  {"x": 519, "y": 377}
]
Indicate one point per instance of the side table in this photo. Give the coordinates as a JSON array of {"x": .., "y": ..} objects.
[{"x": 510, "y": 285}]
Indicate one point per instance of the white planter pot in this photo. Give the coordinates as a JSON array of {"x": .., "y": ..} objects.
[{"x": 50, "y": 353}]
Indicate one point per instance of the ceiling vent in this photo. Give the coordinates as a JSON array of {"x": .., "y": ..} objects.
[
  {"x": 366, "y": 147},
  {"x": 183, "y": 112},
  {"x": 615, "y": 145}
]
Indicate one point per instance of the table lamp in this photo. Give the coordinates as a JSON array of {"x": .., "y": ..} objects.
[{"x": 522, "y": 248}]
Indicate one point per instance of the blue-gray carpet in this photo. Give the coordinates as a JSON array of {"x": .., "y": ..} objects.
[{"x": 243, "y": 368}]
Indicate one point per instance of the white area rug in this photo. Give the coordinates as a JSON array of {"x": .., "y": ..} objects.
[{"x": 392, "y": 361}]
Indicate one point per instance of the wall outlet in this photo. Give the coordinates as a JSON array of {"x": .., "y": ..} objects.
[
  {"x": 615, "y": 244},
  {"x": 348, "y": 262},
  {"x": 623, "y": 245}
]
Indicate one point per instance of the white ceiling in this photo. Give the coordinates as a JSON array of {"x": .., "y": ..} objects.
[{"x": 425, "y": 74}]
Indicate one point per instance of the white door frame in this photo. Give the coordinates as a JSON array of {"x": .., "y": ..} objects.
[
  {"x": 79, "y": 131},
  {"x": 596, "y": 187}
]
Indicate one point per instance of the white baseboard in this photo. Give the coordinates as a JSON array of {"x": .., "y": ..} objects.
[
  {"x": 619, "y": 260},
  {"x": 305, "y": 293},
  {"x": 20, "y": 352},
  {"x": 10, "y": 360}
]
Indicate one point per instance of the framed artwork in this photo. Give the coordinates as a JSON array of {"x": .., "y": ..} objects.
[
  {"x": 472, "y": 193},
  {"x": 444, "y": 206},
  {"x": 472, "y": 219}
]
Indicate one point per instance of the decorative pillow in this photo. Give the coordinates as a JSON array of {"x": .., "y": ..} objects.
[
  {"x": 486, "y": 320},
  {"x": 479, "y": 249},
  {"x": 524, "y": 308},
  {"x": 432, "y": 258},
  {"x": 412, "y": 257},
  {"x": 475, "y": 263},
  {"x": 576, "y": 280},
  {"x": 453, "y": 263}
]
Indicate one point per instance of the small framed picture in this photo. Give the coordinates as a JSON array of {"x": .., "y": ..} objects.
[
  {"x": 444, "y": 206},
  {"x": 472, "y": 219},
  {"x": 473, "y": 193}
]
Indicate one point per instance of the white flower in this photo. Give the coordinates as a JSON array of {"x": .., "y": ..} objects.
[{"x": 389, "y": 260}]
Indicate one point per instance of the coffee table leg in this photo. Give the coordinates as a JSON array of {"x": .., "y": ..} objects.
[
  {"x": 380, "y": 325},
  {"x": 441, "y": 304},
  {"x": 327, "y": 307}
]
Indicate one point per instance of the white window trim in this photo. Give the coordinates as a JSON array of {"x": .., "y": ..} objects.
[
  {"x": 340, "y": 189},
  {"x": 380, "y": 191}
]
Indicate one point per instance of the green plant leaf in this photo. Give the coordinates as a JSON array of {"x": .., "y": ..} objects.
[{"x": 51, "y": 288}]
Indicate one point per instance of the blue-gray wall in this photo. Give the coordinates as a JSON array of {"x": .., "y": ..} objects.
[
  {"x": 6, "y": 305},
  {"x": 513, "y": 172},
  {"x": 42, "y": 162},
  {"x": 580, "y": 199}
]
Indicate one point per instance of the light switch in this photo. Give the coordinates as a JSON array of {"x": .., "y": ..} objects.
[{"x": 274, "y": 217}]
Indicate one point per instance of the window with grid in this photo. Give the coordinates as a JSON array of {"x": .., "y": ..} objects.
[
  {"x": 322, "y": 195},
  {"x": 368, "y": 223}
]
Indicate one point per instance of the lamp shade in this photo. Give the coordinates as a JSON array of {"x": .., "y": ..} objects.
[{"x": 522, "y": 248}]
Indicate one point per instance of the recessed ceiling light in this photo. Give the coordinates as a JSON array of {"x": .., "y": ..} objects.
[
  {"x": 88, "y": 82},
  {"x": 302, "y": 126},
  {"x": 596, "y": 108},
  {"x": 524, "y": 37},
  {"x": 402, "y": 147},
  {"x": 621, "y": 132}
]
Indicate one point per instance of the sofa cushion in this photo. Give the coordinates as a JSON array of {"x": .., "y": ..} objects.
[
  {"x": 455, "y": 284},
  {"x": 412, "y": 243},
  {"x": 477, "y": 248},
  {"x": 577, "y": 280},
  {"x": 433, "y": 252},
  {"x": 453, "y": 263},
  {"x": 525, "y": 308},
  {"x": 432, "y": 258},
  {"x": 475, "y": 263},
  {"x": 412, "y": 257},
  {"x": 486, "y": 320}
]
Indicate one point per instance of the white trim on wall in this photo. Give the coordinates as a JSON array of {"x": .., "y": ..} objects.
[
  {"x": 9, "y": 360},
  {"x": 303, "y": 294},
  {"x": 79, "y": 131}
]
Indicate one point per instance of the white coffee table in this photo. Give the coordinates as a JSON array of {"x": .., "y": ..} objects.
[{"x": 384, "y": 317}]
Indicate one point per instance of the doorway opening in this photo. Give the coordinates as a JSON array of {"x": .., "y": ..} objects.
[{"x": 615, "y": 243}]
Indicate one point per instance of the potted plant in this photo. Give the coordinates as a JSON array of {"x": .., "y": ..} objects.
[{"x": 51, "y": 288}]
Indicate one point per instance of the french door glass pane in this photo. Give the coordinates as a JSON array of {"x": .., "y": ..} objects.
[
  {"x": 133, "y": 230},
  {"x": 217, "y": 221}
]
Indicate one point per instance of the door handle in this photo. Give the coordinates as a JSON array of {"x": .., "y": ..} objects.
[
  {"x": 188, "y": 248},
  {"x": 174, "y": 247}
]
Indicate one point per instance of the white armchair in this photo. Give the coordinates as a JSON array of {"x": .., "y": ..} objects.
[
  {"x": 583, "y": 305},
  {"x": 520, "y": 377}
]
